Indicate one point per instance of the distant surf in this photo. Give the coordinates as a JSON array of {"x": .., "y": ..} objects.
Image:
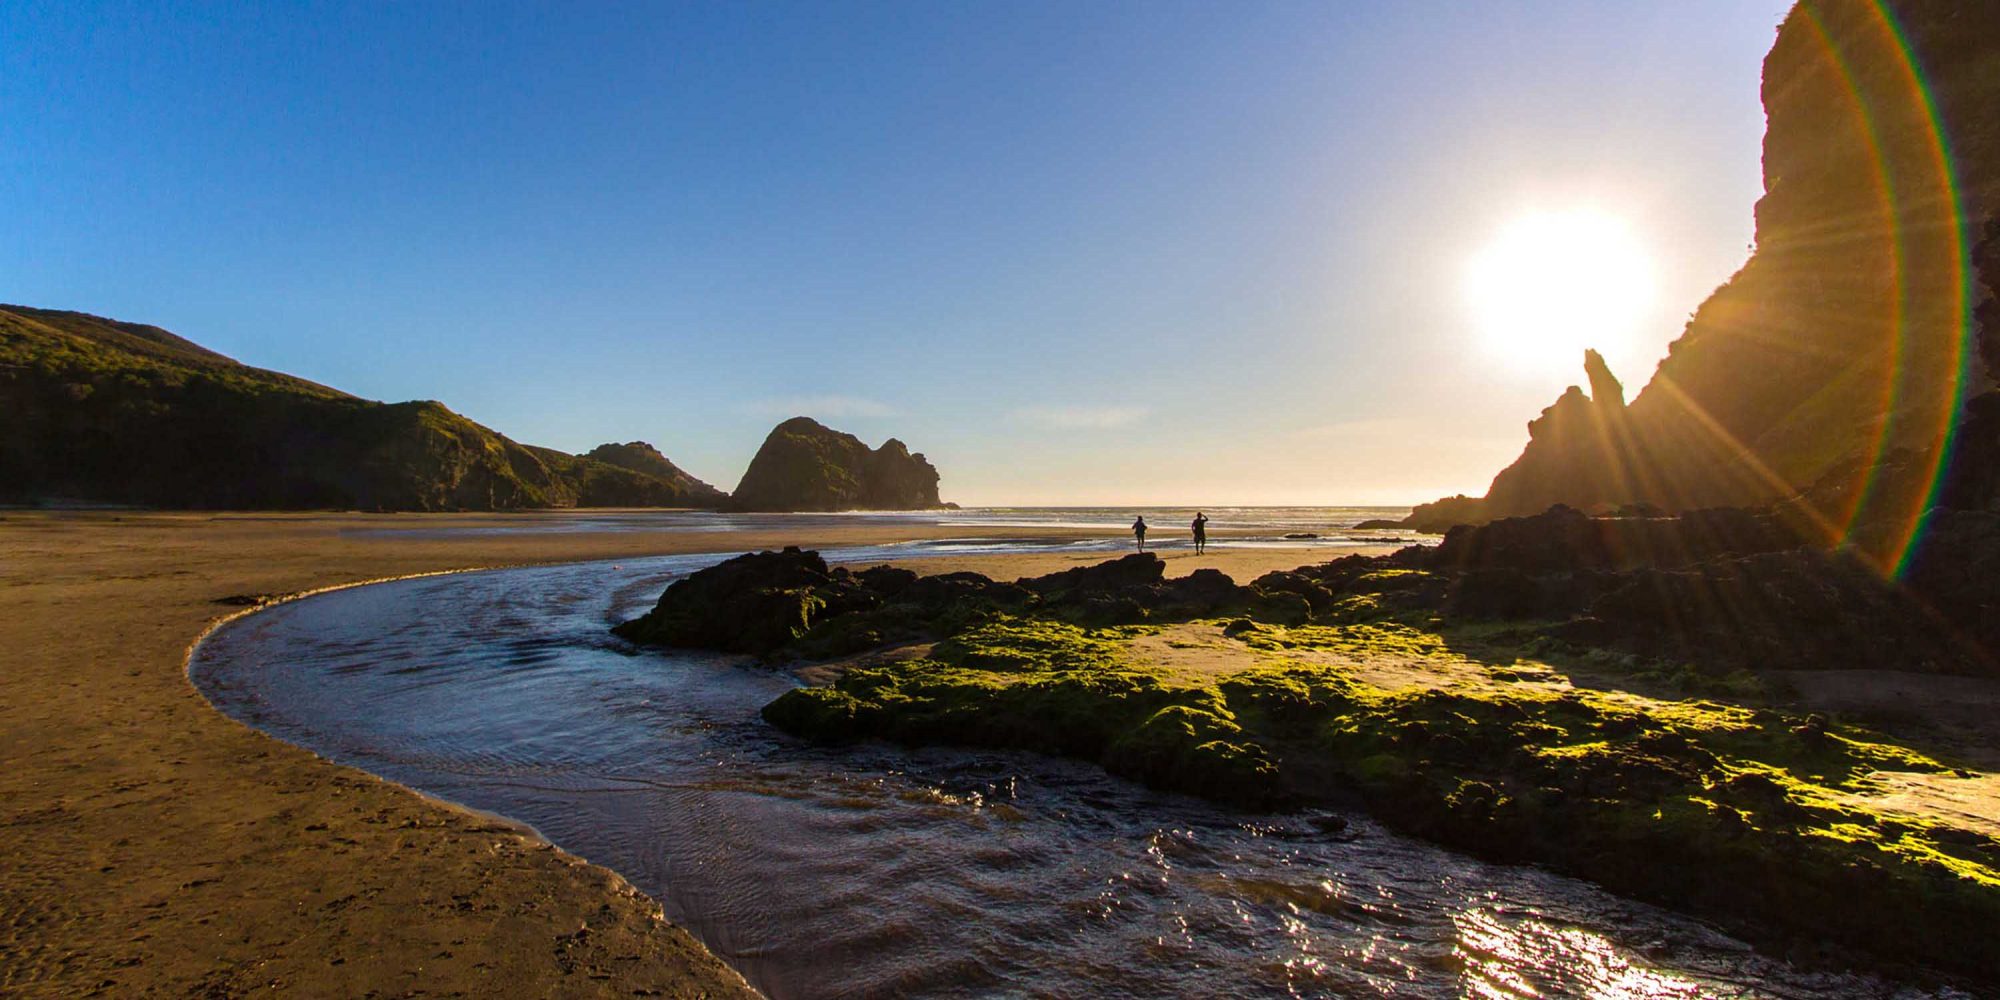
[{"x": 986, "y": 528}]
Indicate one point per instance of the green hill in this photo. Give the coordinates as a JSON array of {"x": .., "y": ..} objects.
[
  {"x": 100, "y": 411},
  {"x": 643, "y": 458}
]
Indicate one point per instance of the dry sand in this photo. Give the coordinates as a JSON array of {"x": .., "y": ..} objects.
[{"x": 151, "y": 846}]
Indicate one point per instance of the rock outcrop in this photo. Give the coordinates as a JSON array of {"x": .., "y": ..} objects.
[
  {"x": 790, "y": 603},
  {"x": 101, "y": 411},
  {"x": 1835, "y": 350},
  {"x": 806, "y": 466},
  {"x": 754, "y": 603}
]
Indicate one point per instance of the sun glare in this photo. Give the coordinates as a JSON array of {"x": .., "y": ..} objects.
[{"x": 1551, "y": 284}]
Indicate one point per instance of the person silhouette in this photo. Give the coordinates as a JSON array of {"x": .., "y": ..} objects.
[
  {"x": 1139, "y": 531},
  {"x": 1200, "y": 532}
]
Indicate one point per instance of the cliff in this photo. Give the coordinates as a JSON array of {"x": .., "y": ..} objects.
[
  {"x": 101, "y": 411},
  {"x": 1836, "y": 350},
  {"x": 804, "y": 465}
]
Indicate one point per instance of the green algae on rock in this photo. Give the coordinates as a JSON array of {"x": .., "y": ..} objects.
[
  {"x": 1393, "y": 681},
  {"x": 1049, "y": 686},
  {"x": 1749, "y": 815}
]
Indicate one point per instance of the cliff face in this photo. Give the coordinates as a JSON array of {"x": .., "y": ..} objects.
[
  {"x": 804, "y": 465},
  {"x": 1837, "y": 343},
  {"x": 101, "y": 411}
]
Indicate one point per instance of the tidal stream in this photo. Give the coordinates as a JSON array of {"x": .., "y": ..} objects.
[{"x": 879, "y": 871}]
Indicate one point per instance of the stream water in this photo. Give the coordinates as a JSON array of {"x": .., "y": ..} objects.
[{"x": 875, "y": 870}]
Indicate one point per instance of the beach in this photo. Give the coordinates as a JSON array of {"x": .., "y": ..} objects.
[{"x": 149, "y": 845}]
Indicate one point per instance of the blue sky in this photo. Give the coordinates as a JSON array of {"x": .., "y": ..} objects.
[{"x": 1076, "y": 252}]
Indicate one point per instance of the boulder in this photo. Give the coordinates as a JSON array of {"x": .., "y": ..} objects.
[
  {"x": 1140, "y": 569},
  {"x": 755, "y": 603}
]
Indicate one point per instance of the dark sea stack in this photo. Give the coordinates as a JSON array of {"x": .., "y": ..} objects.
[
  {"x": 646, "y": 460},
  {"x": 1780, "y": 379},
  {"x": 806, "y": 466},
  {"x": 102, "y": 411}
]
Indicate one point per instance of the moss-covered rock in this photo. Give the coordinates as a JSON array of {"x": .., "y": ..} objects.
[
  {"x": 1762, "y": 819},
  {"x": 1749, "y": 815},
  {"x": 1052, "y": 686}
]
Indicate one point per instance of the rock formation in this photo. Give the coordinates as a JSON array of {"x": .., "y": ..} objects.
[
  {"x": 806, "y": 466},
  {"x": 1835, "y": 348},
  {"x": 96, "y": 410}
]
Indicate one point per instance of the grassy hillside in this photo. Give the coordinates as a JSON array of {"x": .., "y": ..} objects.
[
  {"x": 96, "y": 410},
  {"x": 646, "y": 460}
]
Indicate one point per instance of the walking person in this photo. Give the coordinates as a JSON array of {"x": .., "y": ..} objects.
[
  {"x": 1200, "y": 532},
  {"x": 1139, "y": 531}
]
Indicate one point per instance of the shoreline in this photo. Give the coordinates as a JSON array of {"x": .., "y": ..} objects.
[{"x": 152, "y": 844}]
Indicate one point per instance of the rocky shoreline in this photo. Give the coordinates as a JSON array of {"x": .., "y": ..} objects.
[{"x": 1583, "y": 693}]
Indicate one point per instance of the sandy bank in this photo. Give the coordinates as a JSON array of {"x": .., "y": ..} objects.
[{"x": 150, "y": 845}]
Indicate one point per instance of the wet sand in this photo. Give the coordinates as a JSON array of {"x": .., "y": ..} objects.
[{"x": 149, "y": 845}]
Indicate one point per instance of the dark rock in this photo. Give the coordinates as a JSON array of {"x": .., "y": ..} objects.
[
  {"x": 1274, "y": 590},
  {"x": 1328, "y": 823},
  {"x": 1518, "y": 595},
  {"x": 1565, "y": 539},
  {"x": 1799, "y": 609},
  {"x": 1203, "y": 591},
  {"x": 246, "y": 600},
  {"x": 1955, "y": 568},
  {"x": 1605, "y": 389},
  {"x": 1133, "y": 589},
  {"x": 1438, "y": 516},
  {"x": 888, "y": 581},
  {"x": 754, "y": 603},
  {"x": 940, "y": 592},
  {"x": 1280, "y": 607},
  {"x": 1140, "y": 569},
  {"x": 1813, "y": 728}
]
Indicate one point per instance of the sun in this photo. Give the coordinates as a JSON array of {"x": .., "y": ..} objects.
[{"x": 1553, "y": 283}]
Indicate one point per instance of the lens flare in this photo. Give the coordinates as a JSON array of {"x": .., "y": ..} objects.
[{"x": 1924, "y": 390}]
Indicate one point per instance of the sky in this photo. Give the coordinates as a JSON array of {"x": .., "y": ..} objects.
[{"x": 1200, "y": 253}]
